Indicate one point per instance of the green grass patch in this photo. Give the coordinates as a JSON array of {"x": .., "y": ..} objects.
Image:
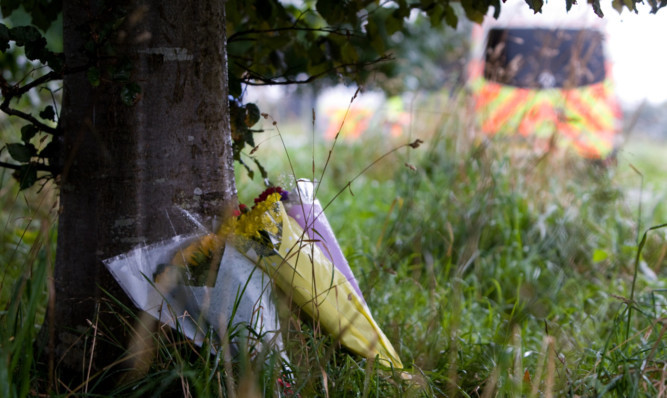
[{"x": 493, "y": 270}]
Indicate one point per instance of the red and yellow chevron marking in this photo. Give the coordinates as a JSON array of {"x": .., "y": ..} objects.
[
  {"x": 584, "y": 119},
  {"x": 507, "y": 106}
]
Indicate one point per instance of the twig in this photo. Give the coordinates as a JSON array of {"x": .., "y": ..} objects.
[
  {"x": 37, "y": 166},
  {"x": 235, "y": 36},
  {"x": 10, "y": 92},
  {"x": 10, "y": 166},
  {"x": 28, "y": 117},
  {"x": 13, "y": 91},
  {"x": 415, "y": 144},
  {"x": 264, "y": 81},
  {"x": 333, "y": 145}
]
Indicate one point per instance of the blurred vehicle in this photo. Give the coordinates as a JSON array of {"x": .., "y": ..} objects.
[{"x": 545, "y": 79}]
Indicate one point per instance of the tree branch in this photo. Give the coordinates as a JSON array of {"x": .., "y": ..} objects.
[
  {"x": 11, "y": 92},
  {"x": 333, "y": 31},
  {"x": 37, "y": 82},
  {"x": 37, "y": 166},
  {"x": 28, "y": 117},
  {"x": 260, "y": 80},
  {"x": 10, "y": 166}
]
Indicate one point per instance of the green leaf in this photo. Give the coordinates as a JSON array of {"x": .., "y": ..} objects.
[
  {"x": 375, "y": 33},
  {"x": 43, "y": 12},
  {"x": 393, "y": 24},
  {"x": 27, "y": 132},
  {"x": 403, "y": 11},
  {"x": 32, "y": 40},
  {"x": 51, "y": 150},
  {"x": 450, "y": 16},
  {"x": 235, "y": 88},
  {"x": 26, "y": 175},
  {"x": 8, "y": 6},
  {"x": 36, "y": 50},
  {"x": 436, "y": 15},
  {"x": 633, "y": 7},
  {"x": 130, "y": 93},
  {"x": 4, "y": 38},
  {"x": 476, "y": 11},
  {"x": 48, "y": 113},
  {"x": 250, "y": 172},
  {"x": 249, "y": 138},
  {"x": 21, "y": 152},
  {"x": 55, "y": 60},
  {"x": 597, "y": 8},
  {"x": 263, "y": 9},
  {"x": 93, "y": 75},
  {"x": 535, "y": 5},
  {"x": 252, "y": 114},
  {"x": 331, "y": 10},
  {"x": 261, "y": 169},
  {"x": 599, "y": 255},
  {"x": 616, "y": 5},
  {"x": 349, "y": 53},
  {"x": 315, "y": 55},
  {"x": 25, "y": 34}
]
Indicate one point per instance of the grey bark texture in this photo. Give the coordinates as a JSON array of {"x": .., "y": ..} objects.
[{"x": 127, "y": 169}]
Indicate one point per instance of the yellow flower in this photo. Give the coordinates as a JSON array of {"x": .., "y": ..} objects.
[{"x": 261, "y": 218}]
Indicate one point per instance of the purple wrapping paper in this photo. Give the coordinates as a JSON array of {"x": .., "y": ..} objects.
[{"x": 303, "y": 207}]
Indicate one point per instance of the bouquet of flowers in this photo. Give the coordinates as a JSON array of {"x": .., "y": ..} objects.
[{"x": 283, "y": 240}]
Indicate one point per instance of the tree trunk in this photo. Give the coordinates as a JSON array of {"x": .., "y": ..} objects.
[{"x": 128, "y": 169}]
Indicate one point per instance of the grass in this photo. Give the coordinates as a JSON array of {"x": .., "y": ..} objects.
[
  {"x": 28, "y": 240},
  {"x": 494, "y": 272}
]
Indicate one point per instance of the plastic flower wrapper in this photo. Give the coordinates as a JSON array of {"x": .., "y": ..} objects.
[
  {"x": 300, "y": 269},
  {"x": 206, "y": 286},
  {"x": 304, "y": 207}
]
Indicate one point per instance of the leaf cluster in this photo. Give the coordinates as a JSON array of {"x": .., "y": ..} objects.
[
  {"x": 31, "y": 158},
  {"x": 43, "y": 12},
  {"x": 34, "y": 44},
  {"x": 40, "y": 146},
  {"x": 242, "y": 118},
  {"x": 269, "y": 43},
  {"x": 279, "y": 43}
]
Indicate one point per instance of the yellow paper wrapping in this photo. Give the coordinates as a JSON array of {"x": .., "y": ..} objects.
[{"x": 312, "y": 282}]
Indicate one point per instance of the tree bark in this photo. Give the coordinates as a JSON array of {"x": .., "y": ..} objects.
[{"x": 128, "y": 169}]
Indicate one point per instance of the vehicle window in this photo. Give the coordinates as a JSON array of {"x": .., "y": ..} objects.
[{"x": 544, "y": 58}]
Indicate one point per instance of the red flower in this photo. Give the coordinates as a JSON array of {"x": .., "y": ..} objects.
[
  {"x": 268, "y": 191},
  {"x": 241, "y": 210}
]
